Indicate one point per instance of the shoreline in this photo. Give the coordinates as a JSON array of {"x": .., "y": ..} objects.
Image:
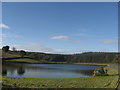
[
  {"x": 32, "y": 61},
  {"x": 104, "y": 64},
  {"x": 24, "y": 62}
]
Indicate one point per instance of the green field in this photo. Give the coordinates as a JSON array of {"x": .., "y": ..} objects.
[
  {"x": 32, "y": 61},
  {"x": 8, "y": 55},
  {"x": 89, "y": 82},
  {"x": 23, "y": 60}
]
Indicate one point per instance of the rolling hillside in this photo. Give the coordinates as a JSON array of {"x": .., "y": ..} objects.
[{"x": 87, "y": 57}]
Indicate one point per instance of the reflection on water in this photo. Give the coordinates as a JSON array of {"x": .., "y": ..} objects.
[
  {"x": 21, "y": 71},
  {"x": 4, "y": 72},
  {"x": 48, "y": 70}
]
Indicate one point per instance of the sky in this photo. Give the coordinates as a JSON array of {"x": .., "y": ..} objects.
[{"x": 61, "y": 27}]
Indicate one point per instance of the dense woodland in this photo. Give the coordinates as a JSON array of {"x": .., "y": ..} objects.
[
  {"x": 86, "y": 57},
  {"x": 91, "y": 57}
]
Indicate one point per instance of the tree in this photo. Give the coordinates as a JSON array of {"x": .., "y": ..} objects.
[
  {"x": 5, "y": 48},
  {"x": 117, "y": 59},
  {"x": 13, "y": 48},
  {"x": 22, "y": 53},
  {"x": 33, "y": 55}
]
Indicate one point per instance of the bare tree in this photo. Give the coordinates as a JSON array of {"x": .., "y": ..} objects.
[{"x": 13, "y": 48}]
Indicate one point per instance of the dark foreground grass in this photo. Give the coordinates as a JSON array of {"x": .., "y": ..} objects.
[{"x": 88, "y": 82}]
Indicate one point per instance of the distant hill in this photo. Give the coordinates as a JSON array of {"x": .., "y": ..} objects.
[{"x": 87, "y": 57}]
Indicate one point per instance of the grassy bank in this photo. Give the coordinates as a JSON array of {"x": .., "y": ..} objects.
[
  {"x": 93, "y": 63},
  {"x": 32, "y": 61},
  {"x": 23, "y": 60},
  {"x": 0, "y": 79},
  {"x": 89, "y": 82},
  {"x": 105, "y": 71}
]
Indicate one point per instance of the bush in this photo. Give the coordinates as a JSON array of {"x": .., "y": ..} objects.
[
  {"x": 101, "y": 72},
  {"x": 105, "y": 71}
]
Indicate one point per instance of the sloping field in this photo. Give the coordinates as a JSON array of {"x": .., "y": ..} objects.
[
  {"x": 8, "y": 55},
  {"x": 89, "y": 82}
]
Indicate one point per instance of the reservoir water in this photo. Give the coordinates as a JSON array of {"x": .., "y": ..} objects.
[{"x": 48, "y": 70}]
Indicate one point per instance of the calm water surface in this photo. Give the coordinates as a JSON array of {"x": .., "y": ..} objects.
[{"x": 48, "y": 70}]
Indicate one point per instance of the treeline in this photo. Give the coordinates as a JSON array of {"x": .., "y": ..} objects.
[{"x": 87, "y": 57}]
